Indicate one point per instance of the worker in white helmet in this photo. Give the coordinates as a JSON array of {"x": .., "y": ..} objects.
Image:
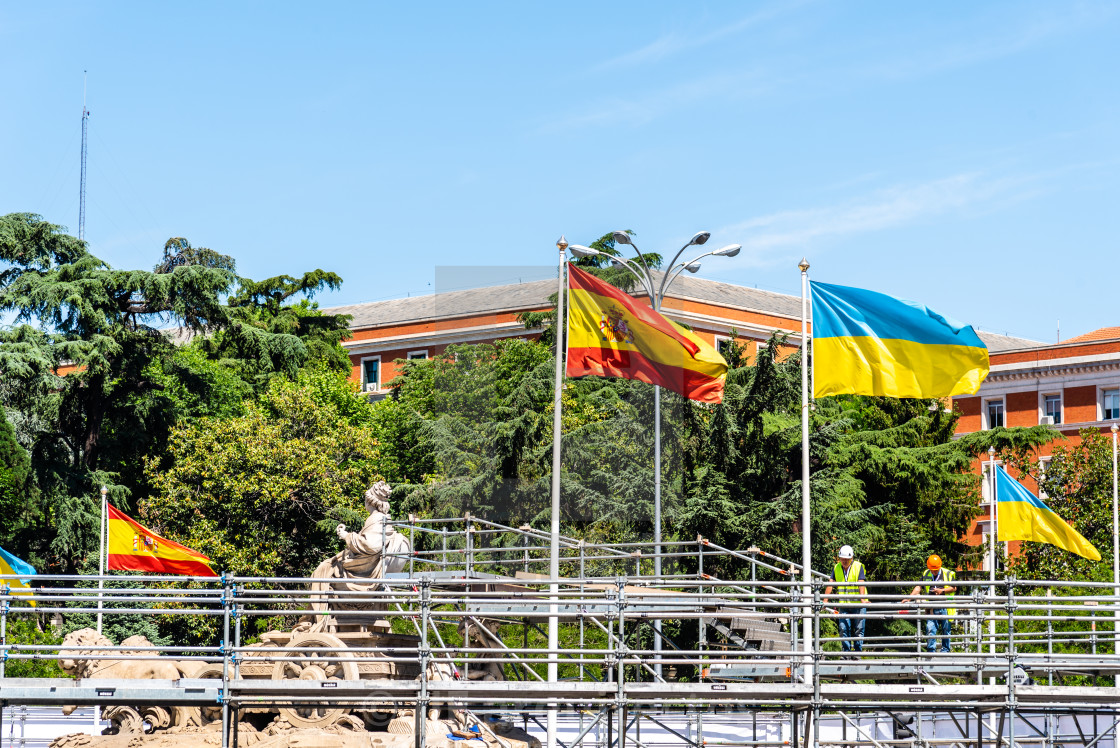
[{"x": 851, "y": 598}]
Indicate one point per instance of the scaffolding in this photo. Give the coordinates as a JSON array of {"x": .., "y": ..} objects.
[{"x": 1030, "y": 661}]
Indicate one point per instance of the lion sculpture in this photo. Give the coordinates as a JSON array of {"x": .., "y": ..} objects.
[{"x": 83, "y": 655}]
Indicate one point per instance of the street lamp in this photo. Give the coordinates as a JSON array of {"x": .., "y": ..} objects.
[{"x": 644, "y": 276}]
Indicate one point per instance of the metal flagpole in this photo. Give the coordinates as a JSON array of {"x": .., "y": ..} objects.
[
  {"x": 1115, "y": 561},
  {"x": 104, "y": 526},
  {"x": 554, "y": 540},
  {"x": 993, "y": 521},
  {"x": 806, "y": 536}
]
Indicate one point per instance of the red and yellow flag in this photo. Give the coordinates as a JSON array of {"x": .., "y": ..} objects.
[
  {"x": 612, "y": 335},
  {"x": 133, "y": 547}
]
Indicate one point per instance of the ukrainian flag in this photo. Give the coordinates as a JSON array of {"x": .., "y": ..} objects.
[
  {"x": 1023, "y": 516},
  {"x": 868, "y": 343},
  {"x": 9, "y": 564}
]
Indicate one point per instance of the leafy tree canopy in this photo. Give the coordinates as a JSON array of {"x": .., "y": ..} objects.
[{"x": 96, "y": 373}]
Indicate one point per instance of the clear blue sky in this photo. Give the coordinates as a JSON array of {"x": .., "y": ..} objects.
[{"x": 964, "y": 155}]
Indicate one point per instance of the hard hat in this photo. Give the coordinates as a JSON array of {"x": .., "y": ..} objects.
[
  {"x": 933, "y": 563},
  {"x": 846, "y": 552}
]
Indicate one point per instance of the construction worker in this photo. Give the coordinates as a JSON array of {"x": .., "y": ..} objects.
[
  {"x": 938, "y": 584},
  {"x": 851, "y": 599}
]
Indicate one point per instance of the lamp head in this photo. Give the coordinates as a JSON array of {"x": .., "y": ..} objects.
[
  {"x": 562, "y": 243},
  {"x": 621, "y": 237},
  {"x": 692, "y": 267},
  {"x": 578, "y": 250},
  {"x": 699, "y": 237},
  {"x": 729, "y": 251}
]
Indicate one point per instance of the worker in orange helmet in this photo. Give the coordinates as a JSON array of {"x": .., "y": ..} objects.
[{"x": 938, "y": 583}]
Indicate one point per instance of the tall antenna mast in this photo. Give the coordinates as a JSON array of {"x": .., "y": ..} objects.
[{"x": 82, "y": 192}]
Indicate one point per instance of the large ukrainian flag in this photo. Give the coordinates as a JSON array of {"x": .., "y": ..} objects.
[
  {"x": 1023, "y": 516},
  {"x": 9, "y": 564},
  {"x": 868, "y": 343}
]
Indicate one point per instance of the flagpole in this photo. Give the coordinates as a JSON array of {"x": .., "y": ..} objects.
[
  {"x": 806, "y": 535},
  {"x": 993, "y": 527},
  {"x": 102, "y": 525},
  {"x": 1115, "y": 562},
  {"x": 554, "y": 537}
]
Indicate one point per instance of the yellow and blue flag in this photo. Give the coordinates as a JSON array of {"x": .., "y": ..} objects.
[
  {"x": 1023, "y": 516},
  {"x": 9, "y": 564},
  {"x": 868, "y": 343}
]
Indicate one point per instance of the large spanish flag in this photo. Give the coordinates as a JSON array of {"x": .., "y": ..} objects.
[
  {"x": 133, "y": 547},
  {"x": 612, "y": 335},
  {"x": 1020, "y": 515},
  {"x": 868, "y": 343}
]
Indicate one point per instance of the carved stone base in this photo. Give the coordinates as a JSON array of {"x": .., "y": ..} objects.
[{"x": 279, "y": 736}]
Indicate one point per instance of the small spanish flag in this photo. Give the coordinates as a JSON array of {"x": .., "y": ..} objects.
[
  {"x": 612, "y": 335},
  {"x": 133, "y": 547}
]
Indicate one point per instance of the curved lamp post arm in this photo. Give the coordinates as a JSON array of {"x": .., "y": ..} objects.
[
  {"x": 646, "y": 278},
  {"x": 729, "y": 251},
  {"x": 635, "y": 270},
  {"x": 698, "y": 238}
]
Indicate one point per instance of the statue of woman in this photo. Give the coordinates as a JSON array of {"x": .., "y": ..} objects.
[{"x": 362, "y": 559}]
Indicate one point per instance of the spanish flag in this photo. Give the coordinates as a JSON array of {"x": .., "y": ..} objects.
[
  {"x": 868, "y": 343},
  {"x": 133, "y": 547},
  {"x": 1023, "y": 516},
  {"x": 612, "y": 335},
  {"x": 9, "y": 564}
]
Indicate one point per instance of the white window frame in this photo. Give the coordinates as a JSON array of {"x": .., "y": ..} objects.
[
  {"x": 1100, "y": 401},
  {"x": 986, "y": 482},
  {"x": 419, "y": 355},
  {"x": 1043, "y": 463},
  {"x": 984, "y": 412},
  {"x": 362, "y": 374},
  {"x": 1042, "y": 407}
]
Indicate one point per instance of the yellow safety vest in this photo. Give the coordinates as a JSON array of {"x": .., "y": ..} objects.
[
  {"x": 948, "y": 576},
  {"x": 838, "y": 575}
]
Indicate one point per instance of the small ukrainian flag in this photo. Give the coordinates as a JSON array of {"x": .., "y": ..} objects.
[
  {"x": 1023, "y": 516},
  {"x": 9, "y": 564},
  {"x": 868, "y": 343}
]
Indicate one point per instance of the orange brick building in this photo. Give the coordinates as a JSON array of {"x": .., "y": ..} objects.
[
  {"x": 1071, "y": 385},
  {"x": 419, "y": 327}
]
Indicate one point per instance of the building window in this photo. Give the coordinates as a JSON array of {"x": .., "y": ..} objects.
[
  {"x": 417, "y": 355},
  {"x": 1052, "y": 408},
  {"x": 986, "y": 483},
  {"x": 371, "y": 374},
  {"x": 995, "y": 413},
  {"x": 1043, "y": 465},
  {"x": 1110, "y": 400}
]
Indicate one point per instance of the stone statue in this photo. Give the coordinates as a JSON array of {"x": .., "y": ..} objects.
[{"x": 371, "y": 553}]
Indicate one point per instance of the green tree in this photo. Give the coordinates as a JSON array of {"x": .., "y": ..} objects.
[
  {"x": 15, "y": 482},
  {"x": 126, "y": 378},
  {"x": 261, "y": 494}
]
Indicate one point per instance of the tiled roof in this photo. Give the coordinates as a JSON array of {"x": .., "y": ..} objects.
[
  {"x": 1105, "y": 333},
  {"x": 997, "y": 343},
  {"x": 534, "y": 295}
]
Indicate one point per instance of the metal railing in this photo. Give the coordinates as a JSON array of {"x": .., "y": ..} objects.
[{"x": 735, "y": 648}]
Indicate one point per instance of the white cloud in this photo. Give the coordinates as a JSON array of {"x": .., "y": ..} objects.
[
  {"x": 676, "y": 41},
  {"x": 777, "y": 236}
]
